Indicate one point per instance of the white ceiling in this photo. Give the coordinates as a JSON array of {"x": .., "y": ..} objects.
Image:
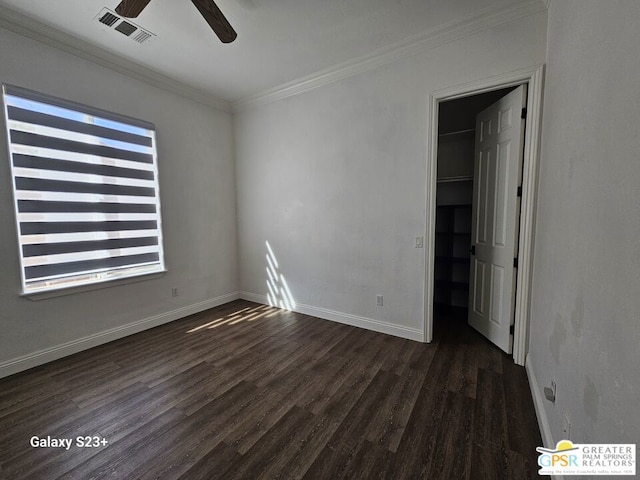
[{"x": 278, "y": 41}]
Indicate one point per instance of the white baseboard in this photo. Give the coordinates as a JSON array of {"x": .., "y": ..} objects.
[
  {"x": 31, "y": 360},
  {"x": 541, "y": 414},
  {"x": 346, "y": 318},
  {"x": 538, "y": 403}
]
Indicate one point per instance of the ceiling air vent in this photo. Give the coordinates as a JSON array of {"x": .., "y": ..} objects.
[
  {"x": 108, "y": 19},
  {"x": 141, "y": 36},
  {"x": 115, "y": 22}
]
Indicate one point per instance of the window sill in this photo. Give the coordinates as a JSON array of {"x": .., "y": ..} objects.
[{"x": 70, "y": 290}]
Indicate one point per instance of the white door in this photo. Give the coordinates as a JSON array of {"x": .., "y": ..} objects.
[{"x": 495, "y": 215}]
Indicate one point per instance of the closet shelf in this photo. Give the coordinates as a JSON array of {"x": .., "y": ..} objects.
[
  {"x": 454, "y": 234},
  {"x": 457, "y": 132},
  {"x": 453, "y": 239},
  {"x": 462, "y": 178},
  {"x": 455, "y": 205}
]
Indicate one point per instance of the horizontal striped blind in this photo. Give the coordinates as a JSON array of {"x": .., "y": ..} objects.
[{"x": 85, "y": 184}]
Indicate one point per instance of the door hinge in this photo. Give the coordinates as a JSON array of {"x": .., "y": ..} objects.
[
  {"x": 512, "y": 329},
  {"x": 520, "y": 191},
  {"x": 515, "y": 262},
  {"x": 523, "y": 114}
]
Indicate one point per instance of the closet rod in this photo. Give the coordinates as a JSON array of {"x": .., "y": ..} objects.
[{"x": 455, "y": 179}]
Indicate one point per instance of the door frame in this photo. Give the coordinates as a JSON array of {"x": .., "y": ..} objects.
[{"x": 533, "y": 77}]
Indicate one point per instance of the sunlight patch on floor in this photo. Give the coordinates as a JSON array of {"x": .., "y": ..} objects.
[{"x": 248, "y": 314}]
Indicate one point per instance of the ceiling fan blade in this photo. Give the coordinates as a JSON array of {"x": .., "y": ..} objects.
[
  {"x": 216, "y": 20},
  {"x": 131, "y": 8}
]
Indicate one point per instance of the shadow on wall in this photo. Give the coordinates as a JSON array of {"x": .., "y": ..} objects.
[{"x": 279, "y": 294}]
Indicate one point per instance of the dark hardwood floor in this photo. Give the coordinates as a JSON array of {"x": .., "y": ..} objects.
[{"x": 245, "y": 391}]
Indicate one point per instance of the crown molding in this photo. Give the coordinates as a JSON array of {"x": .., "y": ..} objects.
[
  {"x": 441, "y": 35},
  {"x": 28, "y": 27},
  {"x": 31, "y": 28}
]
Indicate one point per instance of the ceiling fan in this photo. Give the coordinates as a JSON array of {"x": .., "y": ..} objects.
[{"x": 207, "y": 8}]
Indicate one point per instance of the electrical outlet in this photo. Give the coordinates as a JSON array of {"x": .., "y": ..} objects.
[
  {"x": 550, "y": 392},
  {"x": 419, "y": 242},
  {"x": 379, "y": 300},
  {"x": 174, "y": 292}
]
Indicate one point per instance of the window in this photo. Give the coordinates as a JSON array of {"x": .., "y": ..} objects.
[{"x": 85, "y": 186}]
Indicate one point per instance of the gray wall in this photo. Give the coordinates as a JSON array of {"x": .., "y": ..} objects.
[
  {"x": 335, "y": 179},
  {"x": 197, "y": 189},
  {"x": 585, "y": 314}
]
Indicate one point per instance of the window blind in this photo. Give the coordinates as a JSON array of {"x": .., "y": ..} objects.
[{"x": 85, "y": 185}]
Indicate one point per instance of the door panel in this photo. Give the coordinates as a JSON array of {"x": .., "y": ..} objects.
[
  {"x": 477, "y": 286},
  {"x": 495, "y": 216},
  {"x": 500, "y": 220},
  {"x": 497, "y": 291},
  {"x": 504, "y": 118},
  {"x": 479, "y": 237}
]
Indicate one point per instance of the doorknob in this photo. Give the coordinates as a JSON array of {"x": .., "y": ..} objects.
[{"x": 473, "y": 250}]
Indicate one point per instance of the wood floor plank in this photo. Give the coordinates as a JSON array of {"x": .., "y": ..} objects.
[
  {"x": 328, "y": 376},
  {"x": 489, "y": 357},
  {"x": 452, "y": 457},
  {"x": 362, "y": 460},
  {"x": 364, "y": 413},
  {"x": 257, "y": 422},
  {"x": 126, "y": 411},
  {"x": 274, "y": 449},
  {"x": 422, "y": 357},
  {"x": 247, "y": 391},
  {"x": 82, "y": 422},
  {"x": 207, "y": 428},
  {"x": 466, "y": 367},
  {"x": 490, "y": 416},
  {"x": 145, "y": 445},
  {"x": 369, "y": 463},
  {"x": 418, "y": 441},
  {"x": 522, "y": 427},
  {"x": 135, "y": 447},
  {"x": 217, "y": 464},
  {"x": 306, "y": 353},
  {"x": 21, "y": 425},
  {"x": 496, "y": 462},
  {"x": 332, "y": 463},
  {"x": 24, "y": 404},
  {"x": 392, "y": 416},
  {"x": 397, "y": 354},
  {"x": 313, "y": 437},
  {"x": 349, "y": 390}
]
